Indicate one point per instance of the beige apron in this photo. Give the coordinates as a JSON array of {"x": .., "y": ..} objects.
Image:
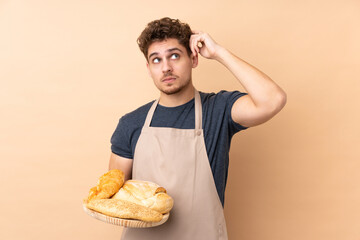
[{"x": 176, "y": 159}]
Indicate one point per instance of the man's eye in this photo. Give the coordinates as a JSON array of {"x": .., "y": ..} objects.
[
  {"x": 174, "y": 56},
  {"x": 156, "y": 60}
]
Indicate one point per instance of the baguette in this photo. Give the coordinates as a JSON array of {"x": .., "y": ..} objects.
[{"x": 124, "y": 209}]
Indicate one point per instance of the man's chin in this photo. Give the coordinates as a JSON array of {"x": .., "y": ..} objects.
[{"x": 171, "y": 91}]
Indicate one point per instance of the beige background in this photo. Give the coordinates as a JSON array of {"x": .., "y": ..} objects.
[{"x": 70, "y": 69}]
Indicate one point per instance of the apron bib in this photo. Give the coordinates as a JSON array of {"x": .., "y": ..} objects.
[{"x": 176, "y": 159}]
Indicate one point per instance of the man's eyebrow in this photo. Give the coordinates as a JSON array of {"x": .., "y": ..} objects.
[
  {"x": 173, "y": 49},
  {"x": 169, "y": 50},
  {"x": 152, "y": 54}
]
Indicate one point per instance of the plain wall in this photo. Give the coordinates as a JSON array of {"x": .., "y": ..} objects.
[{"x": 70, "y": 69}]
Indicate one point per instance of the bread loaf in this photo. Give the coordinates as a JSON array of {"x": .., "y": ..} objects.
[
  {"x": 108, "y": 185},
  {"x": 124, "y": 209},
  {"x": 147, "y": 194}
]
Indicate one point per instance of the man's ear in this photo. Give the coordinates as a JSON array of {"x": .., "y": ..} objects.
[
  {"x": 148, "y": 68},
  {"x": 194, "y": 59}
]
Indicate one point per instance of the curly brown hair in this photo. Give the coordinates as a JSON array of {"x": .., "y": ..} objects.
[{"x": 162, "y": 29}]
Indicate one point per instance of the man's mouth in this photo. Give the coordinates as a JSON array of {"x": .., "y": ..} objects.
[{"x": 168, "y": 79}]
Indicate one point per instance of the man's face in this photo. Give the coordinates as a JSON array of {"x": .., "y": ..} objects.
[{"x": 170, "y": 66}]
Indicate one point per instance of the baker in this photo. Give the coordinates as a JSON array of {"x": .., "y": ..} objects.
[{"x": 181, "y": 141}]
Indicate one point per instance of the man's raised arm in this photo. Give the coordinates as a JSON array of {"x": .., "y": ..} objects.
[{"x": 265, "y": 98}]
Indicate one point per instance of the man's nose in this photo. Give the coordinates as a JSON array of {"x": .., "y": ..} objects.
[{"x": 166, "y": 67}]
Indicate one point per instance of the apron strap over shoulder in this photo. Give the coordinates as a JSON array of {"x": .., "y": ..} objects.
[
  {"x": 198, "y": 111},
  {"x": 150, "y": 114}
]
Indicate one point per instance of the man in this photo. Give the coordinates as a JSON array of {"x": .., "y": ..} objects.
[{"x": 182, "y": 140}]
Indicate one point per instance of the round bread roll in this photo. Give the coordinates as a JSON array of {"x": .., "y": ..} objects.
[
  {"x": 108, "y": 185},
  {"x": 147, "y": 194}
]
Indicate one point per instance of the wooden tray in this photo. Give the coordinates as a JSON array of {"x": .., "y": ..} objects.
[{"x": 124, "y": 222}]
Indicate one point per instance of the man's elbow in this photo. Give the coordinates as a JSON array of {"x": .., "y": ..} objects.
[{"x": 279, "y": 102}]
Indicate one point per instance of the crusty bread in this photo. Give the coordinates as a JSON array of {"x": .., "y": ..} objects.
[
  {"x": 147, "y": 194},
  {"x": 124, "y": 209},
  {"x": 108, "y": 185}
]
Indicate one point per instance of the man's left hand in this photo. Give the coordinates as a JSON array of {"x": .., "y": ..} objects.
[{"x": 208, "y": 47}]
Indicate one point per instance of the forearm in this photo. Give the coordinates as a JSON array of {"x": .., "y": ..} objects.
[
  {"x": 121, "y": 163},
  {"x": 263, "y": 91}
]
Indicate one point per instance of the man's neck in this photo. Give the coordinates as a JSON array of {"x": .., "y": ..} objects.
[{"x": 177, "y": 99}]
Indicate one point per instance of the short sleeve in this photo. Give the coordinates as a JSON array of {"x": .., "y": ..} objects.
[
  {"x": 120, "y": 141},
  {"x": 231, "y": 98}
]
